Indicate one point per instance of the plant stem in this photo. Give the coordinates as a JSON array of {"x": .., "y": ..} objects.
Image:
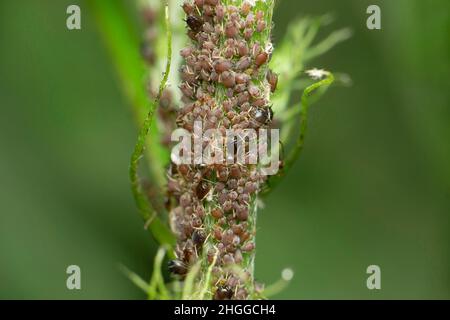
[
  {"x": 122, "y": 41},
  {"x": 141, "y": 199},
  {"x": 220, "y": 275},
  {"x": 297, "y": 149}
]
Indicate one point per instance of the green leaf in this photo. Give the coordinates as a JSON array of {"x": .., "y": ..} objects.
[{"x": 137, "y": 280}]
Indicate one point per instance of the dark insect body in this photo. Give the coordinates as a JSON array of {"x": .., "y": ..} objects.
[
  {"x": 223, "y": 293},
  {"x": 264, "y": 116},
  {"x": 198, "y": 237},
  {"x": 202, "y": 189},
  {"x": 194, "y": 23},
  {"x": 177, "y": 267}
]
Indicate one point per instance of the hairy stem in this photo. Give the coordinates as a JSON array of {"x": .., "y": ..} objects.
[
  {"x": 302, "y": 124},
  {"x": 141, "y": 199},
  {"x": 122, "y": 42},
  {"x": 225, "y": 88}
]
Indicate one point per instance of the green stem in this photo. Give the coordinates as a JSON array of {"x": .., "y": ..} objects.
[
  {"x": 122, "y": 41},
  {"x": 248, "y": 263},
  {"x": 163, "y": 235},
  {"x": 157, "y": 287},
  {"x": 303, "y": 125}
]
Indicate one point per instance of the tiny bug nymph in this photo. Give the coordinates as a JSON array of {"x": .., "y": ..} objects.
[
  {"x": 202, "y": 189},
  {"x": 261, "y": 59},
  {"x": 263, "y": 115},
  {"x": 194, "y": 23},
  {"x": 198, "y": 237},
  {"x": 228, "y": 259},
  {"x": 177, "y": 267},
  {"x": 238, "y": 256},
  {"x": 217, "y": 213},
  {"x": 272, "y": 78},
  {"x": 188, "y": 8},
  {"x": 249, "y": 246},
  {"x": 231, "y": 30},
  {"x": 246, "y": 7},
  {"x": 223, "y": 293},
  {"x": 228, "y": 79}
]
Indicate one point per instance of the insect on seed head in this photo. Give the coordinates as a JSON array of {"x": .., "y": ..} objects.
[{"x": 194, "y": 23}]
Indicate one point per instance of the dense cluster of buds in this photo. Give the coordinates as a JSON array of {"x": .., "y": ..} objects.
[{"x": 226, "y": 84}]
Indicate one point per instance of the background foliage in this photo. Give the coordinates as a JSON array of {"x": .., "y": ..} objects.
[{"x": 372, "y": 186}]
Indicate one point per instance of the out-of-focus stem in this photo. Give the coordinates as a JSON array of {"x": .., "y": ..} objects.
[{"x": 141, "y": 199}]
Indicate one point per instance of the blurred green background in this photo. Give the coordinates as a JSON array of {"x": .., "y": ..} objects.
[{"x": 372, "y": 186}]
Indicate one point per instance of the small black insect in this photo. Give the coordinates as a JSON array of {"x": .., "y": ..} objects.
[
  {"x": 198, "y": 237},
  {"x": 223, "y": 293},
  {"x": 264, "y": 116},
  {"x": 194, "y": 23},
  {"x": 177, "y": 267}
]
